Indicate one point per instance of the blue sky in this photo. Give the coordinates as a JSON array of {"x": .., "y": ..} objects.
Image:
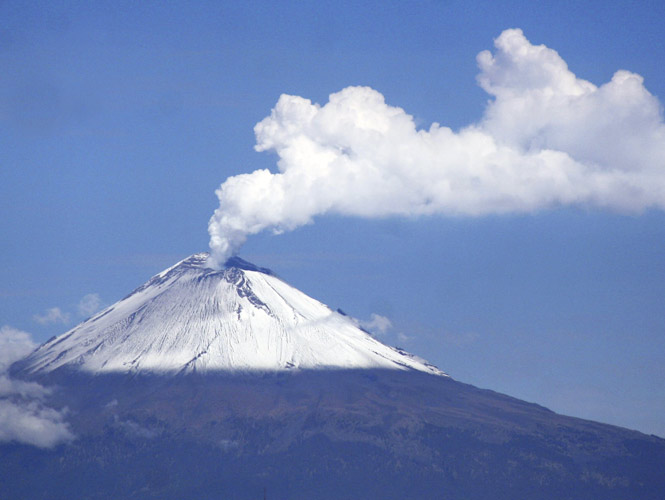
[{"x": 118, "y": 122}]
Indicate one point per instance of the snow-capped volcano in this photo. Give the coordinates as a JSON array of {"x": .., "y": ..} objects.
[
  {"x": 352, "y": 415},
  {"x": 190, "y": 318}
]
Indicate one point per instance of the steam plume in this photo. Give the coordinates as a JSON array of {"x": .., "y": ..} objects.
[{"x": 547, "y": 139}]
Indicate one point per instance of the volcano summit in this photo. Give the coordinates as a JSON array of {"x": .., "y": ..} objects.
[
  {"x": 193, "y": 319},
  {"x": 230, "y": 383}
]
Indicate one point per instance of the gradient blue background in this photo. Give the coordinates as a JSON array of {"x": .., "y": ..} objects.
[{"x": 118, "y": 120}]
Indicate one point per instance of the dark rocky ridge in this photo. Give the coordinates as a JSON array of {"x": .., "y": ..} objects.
[{"x": 325, "y": 435}]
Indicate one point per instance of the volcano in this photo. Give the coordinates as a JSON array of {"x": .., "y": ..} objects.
[
  {"x": 193, "y": 319},
  {"x": 216, "y": 384}
]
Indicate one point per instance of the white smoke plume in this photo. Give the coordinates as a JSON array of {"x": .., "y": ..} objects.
[
  {"x": 23, "y": 416},
  {"x": 547, "y": 139}
]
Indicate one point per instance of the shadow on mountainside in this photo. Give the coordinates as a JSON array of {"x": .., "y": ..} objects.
[{"x": 323, "y": 434}]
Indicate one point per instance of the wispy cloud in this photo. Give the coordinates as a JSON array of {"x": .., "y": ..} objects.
[
  {"x": 32, "y": 423},
  {"x": 14, "y": 344},
  {"x": 377, "y": 324},
  {"x": 51, "y": 316},
  {"x": 404, "y": 338},
  {"x": 89, "y": 305},
  {"x": 547, "y": 139},
  {"x": 24, "y": 416}
]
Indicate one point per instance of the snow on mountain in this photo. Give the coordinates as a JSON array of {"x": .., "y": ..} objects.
[{"x": 190, "y": 318}]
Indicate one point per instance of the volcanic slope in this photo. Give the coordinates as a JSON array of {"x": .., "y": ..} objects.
[
  {"x": 223, "y": 384},
  {"x": 192, "y": 319}
]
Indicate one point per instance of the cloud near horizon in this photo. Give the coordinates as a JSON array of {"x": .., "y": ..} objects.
[
  {"x": 24, "y": 418},
  {"x": 546, "y": 139}
]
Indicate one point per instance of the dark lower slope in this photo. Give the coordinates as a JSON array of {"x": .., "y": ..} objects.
[{"x": 363, "y": 434}]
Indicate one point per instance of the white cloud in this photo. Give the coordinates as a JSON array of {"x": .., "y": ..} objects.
[
  {"x": 52, "y": 315},
  {"x": 31, "y": 423},
  {"x": 14, "y": 345},
  {"x": 23, "y": 415},
  {"x": 539, "y": 104},
  {"x": 89, "y": 305},
  {"x": 403, "y": 337},
  {"x": 546, "y": 139},
  {"x": 377, "y": 324},
  {"x": 11, "y": 387}
]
